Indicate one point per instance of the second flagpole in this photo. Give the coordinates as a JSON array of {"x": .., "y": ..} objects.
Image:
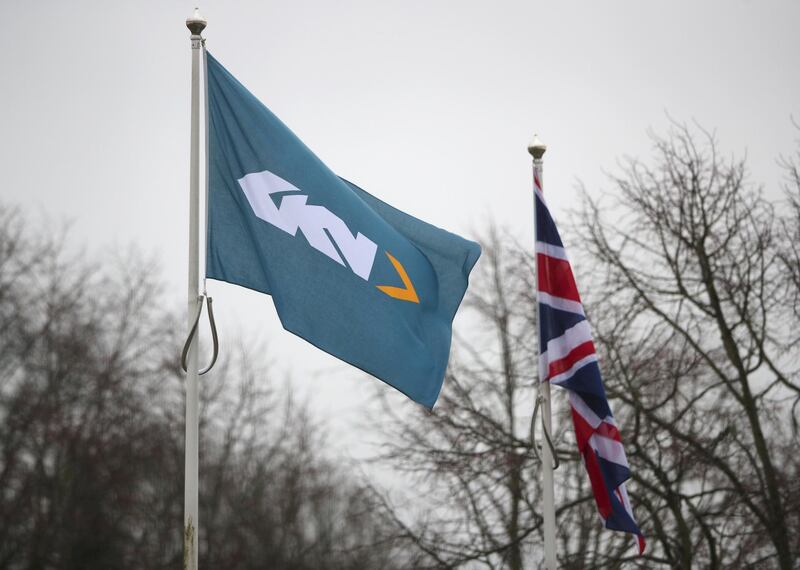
[
  {"x": 537, "y": 150},
  {"x": 196, "y": 25}
]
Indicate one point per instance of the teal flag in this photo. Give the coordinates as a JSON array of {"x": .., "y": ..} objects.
[{"x": 354, "y": 276}]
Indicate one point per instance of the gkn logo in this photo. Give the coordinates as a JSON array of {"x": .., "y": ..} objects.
[{"x": 319, "y": 225}]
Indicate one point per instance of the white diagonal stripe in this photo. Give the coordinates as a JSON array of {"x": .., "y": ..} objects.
[
  {"x": 586, "y": 412},
  {"x": 551, "y": 250},
  {"x": 559, "y": 347},
  {"x": 567, "y": 374},
  {"x": 609, "y": 449},
  {"x": 560, "y": 303},
  {"x": 626, "y": 502}
]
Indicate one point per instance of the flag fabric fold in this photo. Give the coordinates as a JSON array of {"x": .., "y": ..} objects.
[
  {"x": 354, "y": 276},
  {"x": 567, "y": 358}
]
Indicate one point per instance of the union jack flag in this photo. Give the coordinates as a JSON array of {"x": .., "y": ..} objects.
[{"x": 567, "y": 358}]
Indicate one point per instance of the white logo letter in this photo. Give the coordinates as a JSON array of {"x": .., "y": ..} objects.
[{"x": 294, "y": 213}]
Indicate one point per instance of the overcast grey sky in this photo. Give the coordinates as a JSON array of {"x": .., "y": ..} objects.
[{"x": 428, "y": 105}]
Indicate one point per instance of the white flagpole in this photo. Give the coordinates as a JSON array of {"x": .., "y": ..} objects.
[
  {"x": 537, "y": 150},
  {"x": 196, "y": 24}
]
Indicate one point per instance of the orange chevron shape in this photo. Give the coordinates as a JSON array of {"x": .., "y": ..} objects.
[{"x": 405, "y": 293}]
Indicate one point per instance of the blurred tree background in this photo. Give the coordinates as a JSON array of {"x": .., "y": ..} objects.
[
  {"x": 91, "y": 433},
  {"x": 691, "y": 279}
]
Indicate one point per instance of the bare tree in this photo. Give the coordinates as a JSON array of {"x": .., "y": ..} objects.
[
  {"x": 700, "y": 347},
  {"x": 474, "y": 461},
  {"x": 472, "y": 455},
  {"x": 91, "y": 434},
  {"x": 690, "y": 279},
  {"x": 789, "y": 251}
]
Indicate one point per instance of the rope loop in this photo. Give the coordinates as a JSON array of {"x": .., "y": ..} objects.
[
  {"x": 549, "y": 441},
  {"x": 193, "y": 333}
]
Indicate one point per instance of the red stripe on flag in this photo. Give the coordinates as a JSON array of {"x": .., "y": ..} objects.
[
  {"x": 563, "y": 364},
  {"x": 601, "y": 494},
  {"x": 555, "y": 277},
  {"x": 583, "y": 430},
  {"x": 610, "y": 431}
]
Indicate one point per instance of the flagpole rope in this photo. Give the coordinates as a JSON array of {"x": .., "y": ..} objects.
[
  {"x": 547, "y": 437},
  {"x": 214, "y": 337}
]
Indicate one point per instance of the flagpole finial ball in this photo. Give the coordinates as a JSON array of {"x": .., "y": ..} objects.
[
  {"x": 196, "y": 23},
  {"x": 537, "y": 147}
]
